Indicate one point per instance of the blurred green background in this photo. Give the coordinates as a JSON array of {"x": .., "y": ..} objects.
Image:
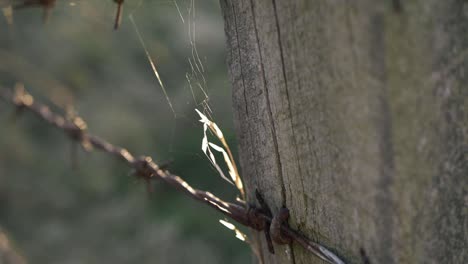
[{"x": 93, "y": 212}]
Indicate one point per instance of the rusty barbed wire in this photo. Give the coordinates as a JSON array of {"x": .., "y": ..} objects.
[{"x": 259, "y": 219}]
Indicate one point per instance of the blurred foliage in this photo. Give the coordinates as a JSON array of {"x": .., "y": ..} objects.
[{"x": 93, "y": 211}]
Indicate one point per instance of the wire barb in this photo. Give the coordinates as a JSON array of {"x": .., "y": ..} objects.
[
  {"x": 279, "y": 219},
  {"x": 118, "y": 14}
]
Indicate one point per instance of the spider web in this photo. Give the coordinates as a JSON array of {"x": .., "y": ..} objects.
[
  {"x": 180, "y": 73},
  {"x": 195, "y": 93},
  {"x": 195, "y": 79}
]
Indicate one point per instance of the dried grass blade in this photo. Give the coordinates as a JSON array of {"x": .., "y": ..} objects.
[
  {"x": 228, "y": 157},
  {"x": 209, "y": 154},
  {"x": 239, "y": 235}
]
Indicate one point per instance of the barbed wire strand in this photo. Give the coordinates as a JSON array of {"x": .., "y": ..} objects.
[{"x": 146, "y": 168}]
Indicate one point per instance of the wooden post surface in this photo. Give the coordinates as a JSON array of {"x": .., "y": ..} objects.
[{"x": 354, "y": 115}]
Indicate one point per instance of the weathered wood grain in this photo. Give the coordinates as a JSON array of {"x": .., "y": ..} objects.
[{"x": 354, "y": 115}]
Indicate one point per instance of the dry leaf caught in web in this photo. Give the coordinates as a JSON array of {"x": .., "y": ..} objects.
[{"x": 226, "y": 151}]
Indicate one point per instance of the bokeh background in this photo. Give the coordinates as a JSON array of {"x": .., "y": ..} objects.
[{"x": 58, "y": 209}]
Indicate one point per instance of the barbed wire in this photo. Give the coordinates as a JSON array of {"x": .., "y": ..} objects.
[{"x": 259, "y": 219}]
